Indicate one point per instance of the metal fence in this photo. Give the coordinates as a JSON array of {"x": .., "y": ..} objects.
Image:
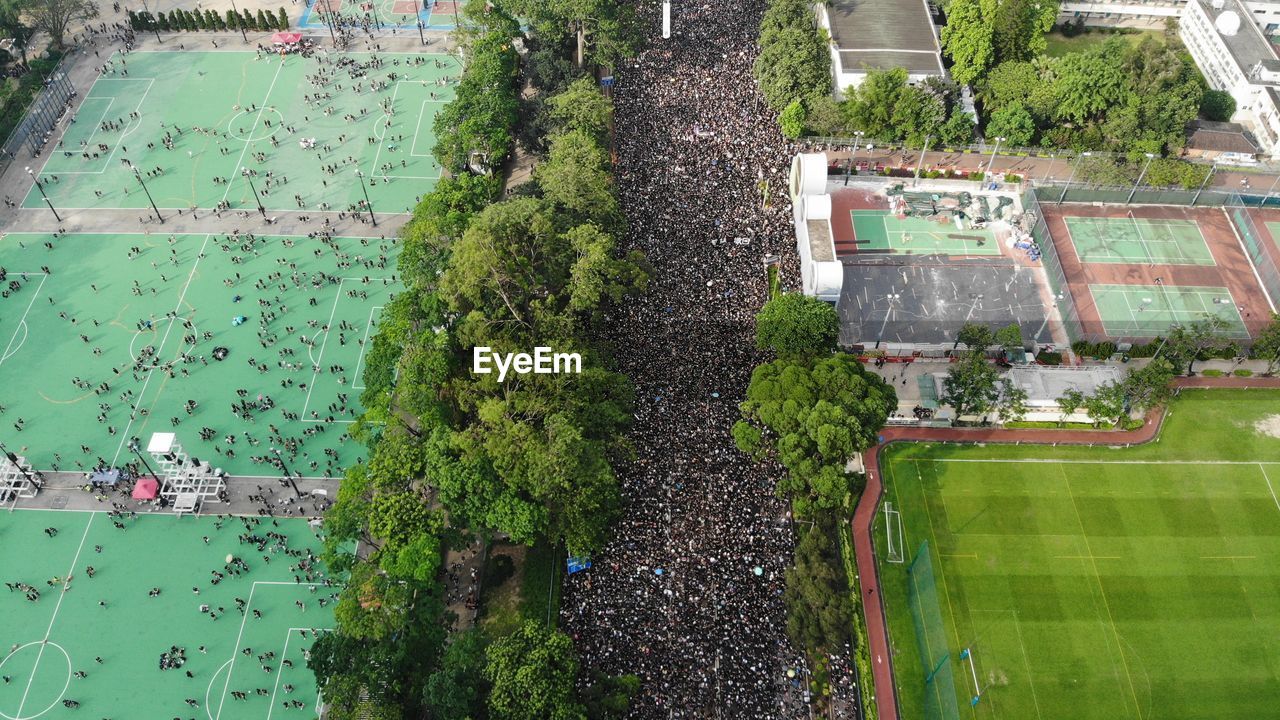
[
  {"x": 1052, "y": 266},
  {"x": 1254, "y": 241},
  {"x": 33, "y": 132}
]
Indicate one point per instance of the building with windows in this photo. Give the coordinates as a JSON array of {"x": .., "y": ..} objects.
[
  {"x": 1235, "y": 56},
  {"x": 880, "y": 34},
  {"x": 1153, "y": 13}
]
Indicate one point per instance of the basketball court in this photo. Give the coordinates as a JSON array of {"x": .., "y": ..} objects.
[
  {"x": 111, "y": 337},
  {"x": 205, "y": 129},
  {"x": 401, "y": 14},
  {"x": 881, "y": 231},
  {"x": 114, "y": 627}
]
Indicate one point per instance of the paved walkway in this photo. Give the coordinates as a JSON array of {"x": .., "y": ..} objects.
[{"x": 864, "y": 515}]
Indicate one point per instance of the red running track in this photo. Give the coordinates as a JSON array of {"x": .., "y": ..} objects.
[{"x": 864, "y": 552}]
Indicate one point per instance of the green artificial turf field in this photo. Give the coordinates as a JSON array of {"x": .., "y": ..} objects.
[
  {"x": 320, "y": 301},
  {"x": 63, "y": 632},
  {"x": 1102, "y": 582},
  {"x": 231, "y": 111}
]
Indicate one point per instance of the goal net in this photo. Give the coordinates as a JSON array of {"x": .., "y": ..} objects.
[{"x": 893, "y": 534}]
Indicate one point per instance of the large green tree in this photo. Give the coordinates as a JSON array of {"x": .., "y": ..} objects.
[
  {"x": 970, "y": 387},
  {"x": 969, "y": 38},
  {"x": 817, "y": 597},
  {"x": 532, "y": 672},
  {"x": 55, "y": 16},
  {"x": 1267, "y": 345},
  {"x": 813, "y": 415},
  {"x": 794, "y": 324}
]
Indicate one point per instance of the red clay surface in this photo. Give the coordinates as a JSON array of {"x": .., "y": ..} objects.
[
  {"x": 1233, "y": 270},
  {"x": 864, "y": 550},
  {"x": 844, "y": 201}
]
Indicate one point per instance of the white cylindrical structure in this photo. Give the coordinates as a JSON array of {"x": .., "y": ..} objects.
[{"x": 666, "y": 19}]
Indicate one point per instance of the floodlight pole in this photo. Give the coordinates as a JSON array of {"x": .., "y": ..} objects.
[
  {"x": 367, "y": 203},
  {"x": 239, "y": 22},
  {"x": 145, "y": 190},
  {"x": 920, "y": 162},
  {"x": 287, "y": 475},
  {"x": 421, "y": 38},
  {"x": 990, "y": 162},
  {"x": 46, "y": 197},
  {"x": 1141, "y": 175},
  {"x": 249, "y": 176},
  {"x": 13, "y": 461},
  {"x": 848, "y": 169},
  {"x": 1072, "y": 176},
  {"x": 1212, "y": 169},
  {"x": 155, "y": 26},
  {"x": 133, "y": 445}
]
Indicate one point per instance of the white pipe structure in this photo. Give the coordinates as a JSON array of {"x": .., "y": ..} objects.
[{"x": 666, "y": 20}]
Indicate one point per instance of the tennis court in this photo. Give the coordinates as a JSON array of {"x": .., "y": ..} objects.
[
  {"x": 110, "y": 337},
  {"x": 879, "y": 230},
  {"x": 403, "y": 14},
  {"x": 1149, "y": 310},
  {"x": 113, "y": 628},
  {"x": 1132, "y": 240},
  {"x": 195, "y": 123},
  {"x": 1090, "y": 583}
]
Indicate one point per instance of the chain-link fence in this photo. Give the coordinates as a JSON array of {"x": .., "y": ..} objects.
[
  {"x": 940, "y": 701},
  {"x": 36, "y": 127}
]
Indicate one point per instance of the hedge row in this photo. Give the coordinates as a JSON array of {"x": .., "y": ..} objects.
[{"x": 185, "y": 20}]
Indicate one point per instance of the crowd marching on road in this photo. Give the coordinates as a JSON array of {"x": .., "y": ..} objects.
[{"x": 689, "y": 595}]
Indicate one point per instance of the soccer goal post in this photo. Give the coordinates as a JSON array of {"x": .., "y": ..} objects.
[{"x": 893, "y": 534}]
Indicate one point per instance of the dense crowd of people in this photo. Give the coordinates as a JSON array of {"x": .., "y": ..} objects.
[{"x": 689, "y": 595}]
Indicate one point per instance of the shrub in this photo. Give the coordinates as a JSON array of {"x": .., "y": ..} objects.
[
  {"x": 1217, "y": 105},
  {"x": 1012, "y": 178},
  {"x": 1212, "y": 373},
  {"x": 1049, "y": 358},
  {"x": 1243, "y": 372}
]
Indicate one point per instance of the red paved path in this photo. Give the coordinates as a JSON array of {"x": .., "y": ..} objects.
[{"x": 877, "y": 631}]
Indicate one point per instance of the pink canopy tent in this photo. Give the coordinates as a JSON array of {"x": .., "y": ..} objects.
[
  {"x": 286, "y": 38},
  {"x": 146, "y": 489}
]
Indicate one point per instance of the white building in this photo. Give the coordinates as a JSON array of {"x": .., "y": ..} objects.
[
  {"x": 821, "y": 273},
  {"x": 1235, "y": 56},
  {"x": 880, "y": 34},
  {"x": 1153, "y": 13}
]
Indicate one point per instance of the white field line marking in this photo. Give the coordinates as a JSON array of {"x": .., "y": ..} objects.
[
  {"x": 1096, "y": 462},
  {"x": 1272, "y": 489},
  {"x": 49, "y": 631},
  {"x": 22, "y": 323},
  {"x": 364, "y": 348},
  {"x": 142, "y": 393},
  {"x": 249, "y": 139}
]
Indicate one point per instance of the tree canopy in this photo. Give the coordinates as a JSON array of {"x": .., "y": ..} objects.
[
  {"x": 812, "y": 415},
  {"x": 794, "y": 324},
  {"x": 532, "y": 672}
]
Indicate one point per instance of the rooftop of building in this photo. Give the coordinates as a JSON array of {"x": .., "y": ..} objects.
[
  {"x": 1247, "y": 45},
  {"x": 885, "y": 34},
  {"x": 1209, "y": 136}
]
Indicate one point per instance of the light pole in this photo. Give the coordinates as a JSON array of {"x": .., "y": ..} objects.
[
  {"x": 138, "y": 175},
  {"x": 1141, "y": 175},
  {"x": 420, "y": 36},
  {"x": 367, "y": 204},
  {"x": 155, "y": 26},
  {"x": 137, "y": 450},
  {"x": 848, "y": 169},
  {"x": 920, "y": 162},
  {"x": 1212, "y": 169},
  {"x": 287, "y": 475},
  {"x": 46, "y": 197},
  {"x": 1072, "y": 176},
  {"x": 239, "y": 22},
  {"x": 13, "y": 460},
  {"x": 249, "y": 176},
  {"x": 991, "y": 162}
]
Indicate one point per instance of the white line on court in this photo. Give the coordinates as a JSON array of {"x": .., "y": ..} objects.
[
  {"x": 1268, "y": 479},
  {"x": 240, "y": 161},
  {"x": 49, "y": 631},
  {"x": 124, "y": 436},
  {"x": 364, "y": 348},
  {"x": 22, "y": 323}
]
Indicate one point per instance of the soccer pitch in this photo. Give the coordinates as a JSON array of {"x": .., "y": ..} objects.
[
  {"x": 112, "y": 629},
  {"x": 193, "y": 122},
  {"x": 1092, "y": 582},
  {"x": 108, "y": 337}
]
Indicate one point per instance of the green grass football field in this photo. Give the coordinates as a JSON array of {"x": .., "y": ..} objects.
[
  {"x": 1102, "y": 582},
  {"x": 227, "y": 112},
  {"x": 125, "y": 310},
  {"x": 112, "y": 617}
]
